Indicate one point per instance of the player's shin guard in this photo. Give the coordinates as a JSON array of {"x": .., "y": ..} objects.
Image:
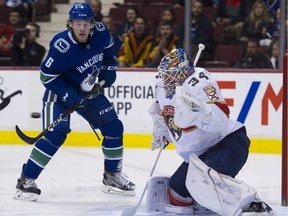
[
  {"x": 44, "y": 149},
  {"x": 115, "y": 182},
  {"x": 42, "y": 153}
]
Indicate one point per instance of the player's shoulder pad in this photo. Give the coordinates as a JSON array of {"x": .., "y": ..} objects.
[
  {"x": 61, "y": 43},
  {"x": 203, "y": 70},
  {"x": 100, "y": 26}
]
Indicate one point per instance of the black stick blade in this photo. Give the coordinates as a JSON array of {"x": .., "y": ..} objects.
[
  {"x": 4, "y": 103},
  {"x": 25, "y": 138}
]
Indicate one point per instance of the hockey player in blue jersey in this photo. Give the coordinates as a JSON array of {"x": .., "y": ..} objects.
[{"x": 78, "y": 58}]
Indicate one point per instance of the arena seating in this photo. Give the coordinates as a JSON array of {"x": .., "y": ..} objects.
[{"x": 226, "y": 55}]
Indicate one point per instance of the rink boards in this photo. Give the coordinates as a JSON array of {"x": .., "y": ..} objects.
[{"x": 254, "y": 98}]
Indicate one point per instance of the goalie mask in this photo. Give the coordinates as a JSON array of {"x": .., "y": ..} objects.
[{"x": 174, "y": 68}]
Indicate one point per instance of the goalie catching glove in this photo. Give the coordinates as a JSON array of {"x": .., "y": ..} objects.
[
  {"x": 190, "y": 109},
  {"x": 160, "y": 131}
]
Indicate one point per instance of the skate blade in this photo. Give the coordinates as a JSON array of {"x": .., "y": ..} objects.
[
  {"x": 20, "y": 195},
  {"x": 116, "y": 191}
]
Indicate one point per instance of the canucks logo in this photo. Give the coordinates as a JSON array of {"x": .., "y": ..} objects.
[
  {"x": 62, "y": 45},
  {"x": 88, "y": 83},
  {"x": 100, "y": 26}
]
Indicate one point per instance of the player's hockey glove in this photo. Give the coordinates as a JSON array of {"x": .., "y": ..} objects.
[
  {"x": 108, "y": 71},
  {"x": 70, "y": 97},
  {"x": 190, "y": 109}
]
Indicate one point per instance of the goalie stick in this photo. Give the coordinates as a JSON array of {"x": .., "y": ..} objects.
[
  {"x": 201, "y": 47},
  {"x": 130, "y": 211},
  {"x": 31, "y": 140}
]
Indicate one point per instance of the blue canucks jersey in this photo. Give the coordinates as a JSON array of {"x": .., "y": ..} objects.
[{"x": 73, "y": 64}]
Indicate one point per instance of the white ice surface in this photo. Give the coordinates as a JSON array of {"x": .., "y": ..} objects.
[{"x": 72, "y": 181}]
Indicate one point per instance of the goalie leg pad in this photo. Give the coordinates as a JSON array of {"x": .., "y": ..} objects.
[
  {"x": 157, "y": 196},
  {"x": 217, "y": 192}
]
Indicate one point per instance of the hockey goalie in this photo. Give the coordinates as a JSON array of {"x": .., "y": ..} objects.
[{"x": 190, "y": 112}]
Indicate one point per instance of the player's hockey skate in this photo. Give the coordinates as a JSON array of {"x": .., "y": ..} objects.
[
  {"x": 259, "y": 209},
  {"x": 26, "y": 189},
  {"x": 117, "y": 183}
]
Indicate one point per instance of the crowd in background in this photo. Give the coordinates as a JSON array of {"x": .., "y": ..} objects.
[
  {"x": 18, "y": 36},
  {"x": 253, "y": 24},
  {"x": 139, "y": 42}
]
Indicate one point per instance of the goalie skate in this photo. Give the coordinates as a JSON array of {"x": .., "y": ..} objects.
[
  {"x": 26, "y": 189},
  {"x": 117, "y": 183},
  {"x": 259, "y": 209}
]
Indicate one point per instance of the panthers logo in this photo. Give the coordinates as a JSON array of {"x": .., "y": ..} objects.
[{"x": 168, "y": 113}]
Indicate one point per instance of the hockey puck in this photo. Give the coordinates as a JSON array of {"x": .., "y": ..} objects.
[{"x": 35, "y": 115}]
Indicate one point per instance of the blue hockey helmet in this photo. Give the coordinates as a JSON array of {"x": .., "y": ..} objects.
[{"x": 81, "y": 11}]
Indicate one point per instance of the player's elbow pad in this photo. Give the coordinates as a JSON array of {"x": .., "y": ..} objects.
[{"x": 56, "y": 86}]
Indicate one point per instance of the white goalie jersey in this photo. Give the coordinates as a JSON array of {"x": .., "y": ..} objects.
[{"x": 197, "y": 116}]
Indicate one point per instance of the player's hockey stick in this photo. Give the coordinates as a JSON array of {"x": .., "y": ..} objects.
[
  {"x": 201, "y": 47},
  {"x": 31, "y": 140},
  {"x": 130, "y": 211}
]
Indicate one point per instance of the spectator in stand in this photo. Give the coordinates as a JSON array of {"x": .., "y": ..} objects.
[
  {"x": 272, "y": 7},
  {"x": 137, "y": 46},
  {"x": 108, "y": 21},
  {"x": 245, "y": 8},
  {"x": 26, "y": 51},
  {"x": 168, "y": 15},
  {"x": 7, "y": 32},
  {"x": 164, "y": 43},
  {"x": 274, "y": 53},
  {"x": 201, "y": 31},
  {"x": 127, "y": 26},
  {"x": 227, "y": 15},
  {"x": 25, "y": 8},
  {"x": 178, "y": 3},
  {"x": 274, "y": 30},
  {"x": 206, "y": 3},
  {"x": 96, "y": 6},
  {"x": 256, "y": 24},
  {"x": 253, "y": 58}
]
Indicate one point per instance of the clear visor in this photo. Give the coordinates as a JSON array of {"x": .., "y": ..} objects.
[{"x": 81, "y": 25}]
